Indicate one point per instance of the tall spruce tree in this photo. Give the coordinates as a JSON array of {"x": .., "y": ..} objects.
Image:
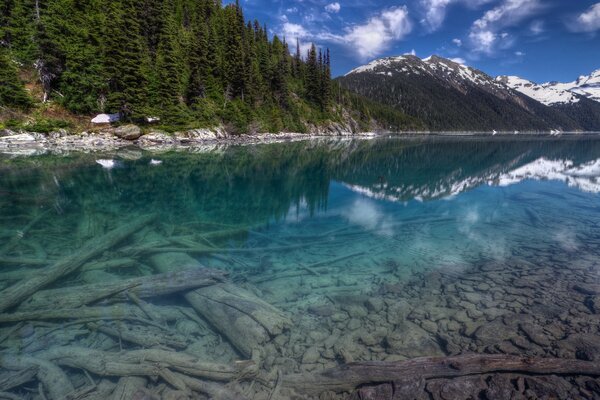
[
  {"x": 125, "y": 58},
  {"x": 12, "y": 92}
]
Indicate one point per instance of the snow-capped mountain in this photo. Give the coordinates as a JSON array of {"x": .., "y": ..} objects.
[
  {"x": 586, "y": 85},
  {"x": 447, "y": 95},
  {"x": 548, "y": 95}
]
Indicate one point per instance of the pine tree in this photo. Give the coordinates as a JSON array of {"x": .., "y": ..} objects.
[
  {"x": 313, "y": 76},
  {"x": 167, "y": 91},
  {"x": 12, "y": 92},
  {"x": 125, "y": 59},
  {"x": 19, "y": 33}
]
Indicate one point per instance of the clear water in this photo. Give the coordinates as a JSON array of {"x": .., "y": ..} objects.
[{"x": 381, "y": 249}]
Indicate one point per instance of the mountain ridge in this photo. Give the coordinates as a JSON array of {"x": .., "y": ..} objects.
[{"x": 448, "y": 95}]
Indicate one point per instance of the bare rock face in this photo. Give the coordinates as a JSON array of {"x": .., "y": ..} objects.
[{"x": 128, "y": 132}]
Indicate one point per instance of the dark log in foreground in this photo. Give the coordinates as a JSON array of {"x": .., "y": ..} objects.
[
  {"x": 15, "y": 294},
  {"x": 142, "y": 287},
  {"x": 348, "y": 377}
]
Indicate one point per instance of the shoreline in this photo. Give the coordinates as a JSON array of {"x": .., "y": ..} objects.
[{"x": 33, "y": 143}]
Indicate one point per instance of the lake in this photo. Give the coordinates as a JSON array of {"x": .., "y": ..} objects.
[{"x": 300, "y": 256}]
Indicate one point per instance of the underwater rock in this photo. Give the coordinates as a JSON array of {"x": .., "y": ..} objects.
[
  {"x": 493, "y": 332},
  {"x": 412, "y": 341},
  {"x": 397, "y": 311},
  {"x": 468, "y": 387},
  {"x": 325, "y": 310},
  {"x": 311, "y": 356}
]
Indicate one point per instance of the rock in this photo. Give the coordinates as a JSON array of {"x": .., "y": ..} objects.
[
  {"x": 22, "y": 139},
  {"x": 356, "y": 311},
  {"x": 128, "y": 132},
  {"x": 155, "y": 138},
  {"x": 412, "y": 341},
  {"x": 468, "y": 387},
  {"x": 339, "y": 317},
  {"x": 429, "y": 326},
  {"x": 374, "y": 304},
  {"x": 548, "y": 387},
  {"x": 105, "y": 118},
  {"x": 354, "y": 324},
  {"x": 501, "y": 387},
  {"x": 587, "y": 289},
  {"x": 379, "y": 392},
  {"x": 493, "y": 332},
  {"x": 325, "y": 310},
  {"x": 311, "y": 356},
  {"x": 535, "y": 334},
  {"x": 397, "y": 312},
  {"x": 201, "y": 135}
]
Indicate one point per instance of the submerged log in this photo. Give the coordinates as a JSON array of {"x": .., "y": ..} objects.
[
  {"x": 142, "y": 287},
  {"x": 13, "y": 379},
  {"x": 127, "y": 387},
  {"x": 55, "y": 381},
  {"x": 147, "y": 362},
  {"x": 247, "y": 321},
  {"x": 350, "y": 376},
  {"x": 15, "y": 294}
]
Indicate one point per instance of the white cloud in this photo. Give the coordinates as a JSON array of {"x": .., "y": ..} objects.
[
  {"x": 367, "y": 40},
  {"x": 374, "y": 37},
  {"x": 519, "y": 53},
  {"x": 294, "y": 31},
  {"x": 333, "y": 8},
  {"x": 435, "y": 11},
  {"x": 457, "y": 42},
  {"x": 588, "y": 21},
  {"x": 484, "y": 34}
]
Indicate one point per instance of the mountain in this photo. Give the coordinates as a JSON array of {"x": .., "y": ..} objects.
[
  {"x": 447, "y": 95},
  {"x": 576, "y": 99},
  {"x": 586, "y": 85}
]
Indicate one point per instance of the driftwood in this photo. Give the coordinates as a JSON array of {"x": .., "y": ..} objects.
[
  {"x": 28, "y": 273},
  {"x": 247, "y": 321},
  {"x": 215, "y": 391},
  {"x": 115, "y": 312},
  {"x": 143, "y": 336},
  {"x": 148, "y": 362},
  {"x": 12, "y": 379},
  {"x": 15, "y": 294},
  {"x": 142, "y": 287},
  {"x": 308, "y": 268},
  {"x": 55, "y": 381},
  {"x": 350, "y": 376},
  {"x": 127, "y": 387}
]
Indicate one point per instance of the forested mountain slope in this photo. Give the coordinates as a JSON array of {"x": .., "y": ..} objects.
[{"x": 447, "y": 95}]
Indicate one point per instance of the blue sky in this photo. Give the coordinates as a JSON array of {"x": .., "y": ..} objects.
[{"x": 541, "y": 40}]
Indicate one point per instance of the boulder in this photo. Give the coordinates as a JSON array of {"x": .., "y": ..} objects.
[{"x": 128, "y": 132}]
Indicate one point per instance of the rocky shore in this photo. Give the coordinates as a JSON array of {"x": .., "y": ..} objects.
[{"x": 31, "y": 143}]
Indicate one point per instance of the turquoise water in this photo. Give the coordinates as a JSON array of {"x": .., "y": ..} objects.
[{"x": 383, "y": 249}]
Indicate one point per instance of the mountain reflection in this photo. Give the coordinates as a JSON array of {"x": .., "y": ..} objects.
[{"x": 255, "y": 184}]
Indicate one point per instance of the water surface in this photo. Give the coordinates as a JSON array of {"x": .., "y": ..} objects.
[{"x": 383, "y": 249}]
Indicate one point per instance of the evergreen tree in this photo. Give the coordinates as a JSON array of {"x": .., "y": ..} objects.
[
  {"x": 12, "y": 92},
  {"x": 125, "y": 58},
  {"x": 313, "y": 76}
]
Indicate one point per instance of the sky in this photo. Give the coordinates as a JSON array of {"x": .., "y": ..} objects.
[{"x": 540, "y": 40}]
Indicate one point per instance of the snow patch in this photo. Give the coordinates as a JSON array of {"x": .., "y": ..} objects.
[
  {"x": 105, "y": 118},
  {"x": 548, "y": 95}
]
